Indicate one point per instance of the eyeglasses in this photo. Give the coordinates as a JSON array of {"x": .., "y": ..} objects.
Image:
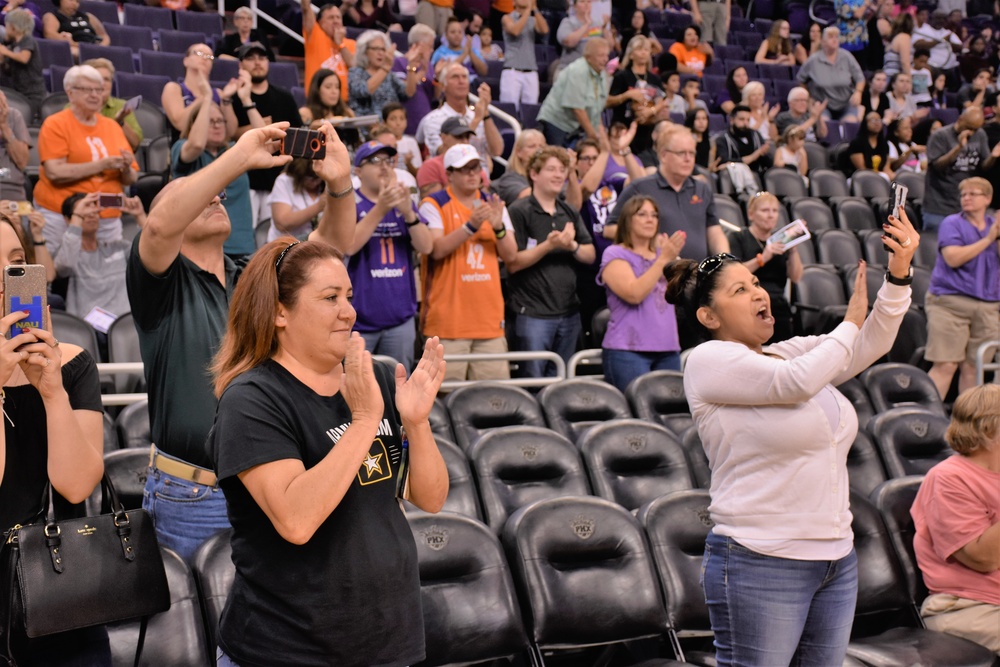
[
  {"x": 217, "y": 122},
  {"x": 682, "y": 154},
  {"x": 379, "y": 159},
  {"x": 586, "y": 158},
  {"x": 376, "y": 48},
  {"x": 203, "y": 55},
  {"x": 971, "y": 193},
  {"x": 710, "y": 265},
  {"x": 89, "y": 91}
]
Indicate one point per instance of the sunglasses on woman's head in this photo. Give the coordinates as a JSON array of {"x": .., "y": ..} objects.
[{"x": 710, "y": 265}]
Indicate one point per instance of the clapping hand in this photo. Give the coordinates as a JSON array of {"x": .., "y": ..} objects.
[
  {"x": 415, "y": 396},
  {"x": 670, "y": 246},
  {"x": 563, "y": 240},
  {"x": 359, "y": 387},
  {"x": 857, "y": 307}
]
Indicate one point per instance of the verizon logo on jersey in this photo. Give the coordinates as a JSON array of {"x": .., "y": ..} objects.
[
  {"x": 388, "y": 273},
  {"x": 476, "y": 277}
]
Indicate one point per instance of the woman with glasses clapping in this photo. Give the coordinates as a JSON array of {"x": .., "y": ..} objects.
[{"x": 780, "y": 571}]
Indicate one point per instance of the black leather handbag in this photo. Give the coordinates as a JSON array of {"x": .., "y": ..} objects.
[{"x": 77, "y": 573}]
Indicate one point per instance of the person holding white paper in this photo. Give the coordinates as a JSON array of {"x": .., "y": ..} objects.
[
  {"x": 772, "y": 263},
  {"x": 96, "y": 269}
]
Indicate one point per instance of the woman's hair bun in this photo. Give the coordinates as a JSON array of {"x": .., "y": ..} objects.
[{"x": 679, "y": 274}]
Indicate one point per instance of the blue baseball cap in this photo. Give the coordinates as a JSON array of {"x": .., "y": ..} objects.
[{"x": 369, "y": 148}]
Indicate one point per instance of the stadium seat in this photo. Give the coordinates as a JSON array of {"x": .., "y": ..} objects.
[
  {"x": 170, "y": 65},
  {"x": 910, "y": 440},
  {"x": 148, "y": 85},
  {"x": 927, "y": 252},
  {"x": 677, "y": 525},
  {"x": 894, "y": 498},
  {"x": 856, "y": 393},
  {"x": 816, "y": 156},
  {"x": 915, "y": 184},
  {"x": 921, "y": 283},
  {"x": 775, "y": 73},
  {"x": 478, "y": 408},
  {"x": 726, "y": 186},
  {"x": 599, "y": 325},
  {"x": 727, "y": 209},
  {"x": 53, "y": 103},
  {"x": 441, "y": 421},
  {"x": 868, "y": 184},
  {"x": 106, "y": 12},
  {"x": 284, "y": 75},
  {"x": 826, "y": 183},
  {"x": 837, "y": 247},
  {"x": 462, "y": 497},
  {"x": 299, "y": 93},
  {"x": 213, "y": 569},
  {"x": 573, "y": 406},
  {"x": 608, "y": 595},
  {"x": 126, "y": 468},
  {"x": 470, "y": 608},
  {"x": 176, "y": 41},
  {"x": 819, "y": 300},
  {"x": 135, "y": 37},
  {"x": 156, "y": 156},
  {"x": 855, "y": 214},
  {"x": 815, "y": 212},
  {"x": 174, "y": 638},
  {"x": 223, "y": 71},
  {"x": 783, "y": 183},
  {"x": 701, "y": 472},
  {"x": 120, "y": 57},
  {"x": 871, "y": 247},
  {"x": 874, "y": 277},
  {"x": 631, "y": 462},
  {"x": 864, "y": 464},
  {"x": 887, "y": 631},
  {"x": 111, "y": 443},
  {"x": 132, "y": 425},
  {"x": 517, "y": 465},
  {"x": 901, "y": 385},
  {"x": 208, "y": 23},
  {"x": 156, "y": 18},
  {"x": 55, "y": 52},
  {"x": 658, "y": 396},
  {"x": 72, "y": 329},
  {"x": 16, "y": 100},
  {"x": 123, "y": 346},
  {"x": 912, "y": 336}
]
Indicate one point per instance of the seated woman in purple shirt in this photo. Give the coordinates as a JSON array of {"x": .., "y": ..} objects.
[{"x": 642, "y": 333}]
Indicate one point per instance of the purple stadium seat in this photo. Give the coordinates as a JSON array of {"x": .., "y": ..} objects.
[
  {"x": 208, "y": 23},
  {"x": 738, "y": 25},
  {"x": 782, "y": 88},
  {"x": 299, "y": 93},
  {"x": 56, "y": 75},
  {"x": 284, "y": 75},
  {"x": 107, "y": 12},
  {"x": 946, "y": 116},
  {"x": 677, "y": 21},
  {"x": 729, "y": 52},
  {"x": 713, "y": 83},
  {"x": 400, "y": 40},
  {"x": 120, "y": 56},
  {"x": 716, "y": 123},
  {"x": 748, "y": 65},
  {"x": 131, "y": 36},
  {"x": 161, "y": 64},
  {"x": 55, "y": 52},
  {"x": 763, "y": 26},
  {"x": 717, "y": 67},
  {"x": 777, "y": 72},
  {"x": 148, "y": 85},
  {"x": 176, "y": 41},
  {"x": 224, "y": 70},
  {"x": 529, "y": 115},
  {"x": 155, "y": 18}
]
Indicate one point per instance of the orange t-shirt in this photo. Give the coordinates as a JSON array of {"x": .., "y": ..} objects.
[
  {"x": 693, "y": 58},
  {"x": 63, "y": 136},
  {"x": 462, "y": 297},
  {"x": 447, "y": 4},
  {"x": 503, "y": 6},
  {"x": 321, "y": 53}
]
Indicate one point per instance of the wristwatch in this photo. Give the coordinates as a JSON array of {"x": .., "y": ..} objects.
[{"x": 903, "y": 282}]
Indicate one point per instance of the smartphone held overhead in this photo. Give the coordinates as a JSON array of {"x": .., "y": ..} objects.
[
  {"x": 105, "y": 200},
  {"x": 24, "y": 289},
  {"x": 898, "y": 193},
  {"x": 298, "y": 142}
]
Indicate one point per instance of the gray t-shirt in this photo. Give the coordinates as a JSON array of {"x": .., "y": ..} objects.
[
  {"x": 941, "y": 196},
  {"x": 97, "y": 278},
  {"x": 519, "y": 50},
  {"x": 834, "y": 81},
  {"x": 12, "y": 185},
  {"x": 569, "y": 25},
  {"x": 26, "y": 78},
  {"x": 785, "y": 120}
]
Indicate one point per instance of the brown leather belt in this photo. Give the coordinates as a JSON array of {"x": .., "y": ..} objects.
[{"x": 180, "y": 469}]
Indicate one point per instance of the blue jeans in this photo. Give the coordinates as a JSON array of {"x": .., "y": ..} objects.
[
  {"x": 223, "y": 660},
  {"x": 396, "y": 342},
  {"x": 185, "y": 514},
  {"x": 557, "y": 137},
  {"x": 931, "y": 221},
  {"x": 534, "y": 334},
  {"x": 777, "y": 611},
  {"x": 623, "y": 366}
]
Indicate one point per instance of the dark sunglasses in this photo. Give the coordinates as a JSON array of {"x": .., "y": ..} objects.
[{"x": 710, "y": 265}]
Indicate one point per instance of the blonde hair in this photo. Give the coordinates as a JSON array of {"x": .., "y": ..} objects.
[
  {"x": 790, "y": 133},
  {"x": 668, "y": 134},
  {"x": 514, "y": 163},
  {"x": 759, "y": 199},
  {"x": 977, "y": 182},
  {"x": 750, "y": 88},
  {"x": 637, "y": 42},
  {"x": 975, "y": 419},
  {"x": 101, "y": 63}
]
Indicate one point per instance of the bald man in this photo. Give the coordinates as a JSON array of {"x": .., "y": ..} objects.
[{"x": 954, "y": 153}]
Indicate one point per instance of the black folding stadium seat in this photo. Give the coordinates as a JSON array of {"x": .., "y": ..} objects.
[
  {"x": 855, "y": 214},
  {"x": 214, "y": 571},
  {"x": 896, "y": 385},
  {"x": 727, "y": 209},
  {"x": 584, "y": 576},
  {"x": 441, "y": 421},
  {"x": 132, "y": 425},
  {"x": 869, "y": 184},
  {"x": 658, "y": 396},
  {"x": 864, "y": 464},
  {"x": 856, "y": 393},
  {"x": 517, "y": 465},
  {"x": 910, "y": 440},
  {"x": 819, "y": 300},
  {"x": 783, "y": 183},
  {"x": 894, "y": 498},
  {"x": 111, "y": 442},
  {"x": 127, "y": 470},
  {"x": 573, "y": 406},
  {"x": 838, "y": 247},
  {"x": 467, "y": 595},
  {"x": 123, "y": 347},
  {"x": 462, "y": 497},
  {"x": 72, "y": 329},
  {"x": 632, "y": 461},
  {"x": 815, "y": 212},
  {"x": 478, "y": 408},
  {"x": 826, "y": 183},
  {"x": 816, "y": 154},
  {"x": 701, "y": 472}
]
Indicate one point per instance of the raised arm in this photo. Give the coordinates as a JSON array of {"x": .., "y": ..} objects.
[
  {"x": 308, "y": 17},
  {"x": 336, "y": 227}
]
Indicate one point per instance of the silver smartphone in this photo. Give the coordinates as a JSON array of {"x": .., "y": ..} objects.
[{"x": 25, "y": 289}]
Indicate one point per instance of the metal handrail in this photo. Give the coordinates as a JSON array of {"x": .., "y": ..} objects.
[
  {"x": 989, "y": 348},
  {"x": 589, "y": 357},
  {"x": 560, "y": 375}
]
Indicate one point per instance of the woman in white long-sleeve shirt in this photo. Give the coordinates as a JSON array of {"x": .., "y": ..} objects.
[{"x": 780, "y": 572}]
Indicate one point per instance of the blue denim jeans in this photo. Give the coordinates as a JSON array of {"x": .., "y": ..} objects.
[
  {"x": 777, "y": 611},
  {"x": 396, "y": 342},
  {"x": 623, "y": 366},
  {"x": 185, "y": 514},
  {"x": 534, "y": 334},
  {"x": 223, "y": 660}
]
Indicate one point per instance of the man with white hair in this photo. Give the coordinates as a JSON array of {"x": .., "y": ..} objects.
[
  {"x": 455, "y": 78},
  {"x": 463, "y": 304},
  {"x": 808, "y": 116},
  {"x": 577, "y": 100},
  {"x": 245, "y": 33},
  {"x": 833, "y": 75}
]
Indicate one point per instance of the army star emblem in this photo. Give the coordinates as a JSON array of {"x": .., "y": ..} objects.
[{"x": 372, "y": 464}]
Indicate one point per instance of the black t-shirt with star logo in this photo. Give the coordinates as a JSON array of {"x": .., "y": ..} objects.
[{"x": 349, "y": 596}]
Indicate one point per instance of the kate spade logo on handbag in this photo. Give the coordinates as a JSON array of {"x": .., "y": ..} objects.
[{"x": 86, "y": 530}]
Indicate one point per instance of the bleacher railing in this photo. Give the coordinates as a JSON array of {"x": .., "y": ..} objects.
[{"x": 988, "y": 350}]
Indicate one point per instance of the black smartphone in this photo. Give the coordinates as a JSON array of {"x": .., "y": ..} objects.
[
  {"x": 25, "y": 289},
  {"x": 898, "y": 193},
  {"x": 110, "y": 200},
  {"x": 299, "y": 142}
]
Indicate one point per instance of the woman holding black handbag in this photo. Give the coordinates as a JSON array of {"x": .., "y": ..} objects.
[{"x": 53, "y": 432}]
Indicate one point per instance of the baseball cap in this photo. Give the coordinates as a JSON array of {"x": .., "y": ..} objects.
[
  {"x": 456, "y": 126},
  {"x": 369, "y": 148},
  {"x": 249, "y": 48},
  {"x": 460, "y": 155}
]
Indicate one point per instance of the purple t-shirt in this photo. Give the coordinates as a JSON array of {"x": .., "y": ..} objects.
[
  {"x": 650, "y": 326},
  {"x": 385, "y": 294},
  {"x": 980, "y": 276},
  {"x": 597, "y": 209},
  {"x": 419, "y": 105}
]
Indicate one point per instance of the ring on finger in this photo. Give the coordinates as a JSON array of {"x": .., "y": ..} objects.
[
  {"x": 48, "y": 361},
  {"x": 55, "y": 343},
  {"x": 907, "y": 242}
]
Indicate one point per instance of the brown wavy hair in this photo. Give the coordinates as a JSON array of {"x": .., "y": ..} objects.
[
  {"x": 251, "y": 338},
  {"x": 623, "y": 234}
]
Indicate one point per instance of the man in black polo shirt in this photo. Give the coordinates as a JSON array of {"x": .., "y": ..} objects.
[
  {"x": 685, "y": 204},
  {"x": 269, "y": 104},
  {"x": 550, "y": 236},
  {"x": 179, "y": 285},
  {"x": 742, "y": 143}
]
